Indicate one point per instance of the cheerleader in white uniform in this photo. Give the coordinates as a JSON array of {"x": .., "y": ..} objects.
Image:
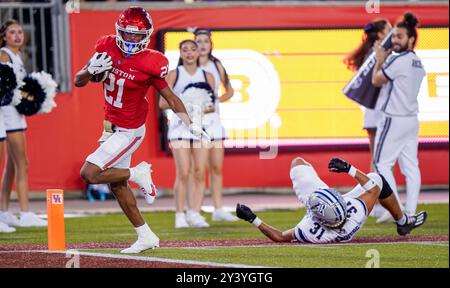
[
  {"x": 11, "y": 40},
  {"x": 4, "y": 228},
  {"x": 184, "y": 145},
  {"x": 215, "y": 128},
  {"x": 375, "y": 30}
]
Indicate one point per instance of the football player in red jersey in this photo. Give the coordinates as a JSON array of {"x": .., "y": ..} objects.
[{"x": 128, "y": 69}]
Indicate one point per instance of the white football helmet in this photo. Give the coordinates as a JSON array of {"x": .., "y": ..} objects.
[{"x": 328, "y": 207}]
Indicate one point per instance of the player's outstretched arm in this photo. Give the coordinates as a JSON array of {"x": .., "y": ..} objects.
[
  {"x": 175, "y": 104},
  {"x": 370, "y": 186},
  {"x": 245, "y": 213},
  {"x": 338, "y": 165},
  {"x": 178, "y": 107},
  {"x": 171, "y": 77}
]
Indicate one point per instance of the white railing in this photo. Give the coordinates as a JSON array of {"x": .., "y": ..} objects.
[{"x": 46, "y": 29}]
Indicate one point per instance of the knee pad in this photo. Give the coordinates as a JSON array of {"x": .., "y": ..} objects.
[
  {"x": 377, "y": 179},
  {"x": 386, "y": 191}
]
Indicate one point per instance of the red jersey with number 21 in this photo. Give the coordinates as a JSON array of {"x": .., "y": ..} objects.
[{"x": 128, "y": 81}]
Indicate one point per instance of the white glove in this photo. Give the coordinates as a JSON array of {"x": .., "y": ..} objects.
[
  {"x": 99, "y": 63},
  {"x": 197, "y": 131}
]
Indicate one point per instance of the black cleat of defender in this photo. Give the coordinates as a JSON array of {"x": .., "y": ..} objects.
[{"x": 418, "y": 220}]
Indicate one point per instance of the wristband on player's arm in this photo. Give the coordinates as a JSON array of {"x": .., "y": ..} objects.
[
  {"x": 257, "y": 222},
  {"x": 352, "y": 171}
]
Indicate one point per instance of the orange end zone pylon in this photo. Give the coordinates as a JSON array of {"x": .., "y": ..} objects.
[{"x": 55, "y": 212}]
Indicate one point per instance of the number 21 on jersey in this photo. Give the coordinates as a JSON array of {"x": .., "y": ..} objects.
[{"x": 111, "y": 87}]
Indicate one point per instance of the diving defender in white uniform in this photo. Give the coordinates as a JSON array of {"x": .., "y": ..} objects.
[{"x": 330, "y": 217}]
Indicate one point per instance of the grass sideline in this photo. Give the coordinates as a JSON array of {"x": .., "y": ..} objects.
[{"x": 116, "y": 228}]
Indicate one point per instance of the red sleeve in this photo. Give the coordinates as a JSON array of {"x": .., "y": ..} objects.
[
  {"x": 160, "y": 66},
  {"x": 159, "y": 83},
  {"x": 159, "y": 70},
  {"x": 100, "y": 46}
]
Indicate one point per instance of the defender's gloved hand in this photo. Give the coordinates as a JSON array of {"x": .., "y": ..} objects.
[
  {"x": 245, "y": 213},
  {"x": 99, "y": 63},
  {"x": 338, "y": 165}
]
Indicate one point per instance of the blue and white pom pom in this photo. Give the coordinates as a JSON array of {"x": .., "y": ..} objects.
[
  {"x": 198, "y": 93},
  {"x": 10, "y": 83},
  {"x": 41, "y": 90},
  {"x": 196, "y": 96}
]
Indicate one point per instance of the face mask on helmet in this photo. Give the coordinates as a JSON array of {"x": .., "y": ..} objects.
[
  {"x": 133, "y": 30},
  {"x": 327, "y": 207}
]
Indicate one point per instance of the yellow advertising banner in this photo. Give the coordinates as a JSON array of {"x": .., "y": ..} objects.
[{"x": 288, "y": 84}]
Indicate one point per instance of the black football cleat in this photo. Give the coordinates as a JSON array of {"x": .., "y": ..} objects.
[{"x": 413, "y": 222}]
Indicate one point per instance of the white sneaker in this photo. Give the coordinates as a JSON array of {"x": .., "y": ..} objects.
[
  {"x": 180, "y": 220},
  {"x": 222, "y": 215},
  {"x": 189, "y": 214},
  {"x": 198, "y": 221},
  {"x": 9, "y": 219},
  {"x": 143, "y": 177},
  {"x": 4, "y": 228},
  {"x": 385, "y": 218},
  {"x": 142, "y": 244},
  {"x": 29, "y": 219}
]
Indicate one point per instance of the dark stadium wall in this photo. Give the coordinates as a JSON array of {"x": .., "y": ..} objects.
[{"x": 58, "y": 143}]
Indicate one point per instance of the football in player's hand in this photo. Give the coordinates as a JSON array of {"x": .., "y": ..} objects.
[{"x": 99, "y": 77}]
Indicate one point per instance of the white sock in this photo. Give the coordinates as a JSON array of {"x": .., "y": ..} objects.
[
  {"x": 143, "y": 231},
  {"x": 132, "y": 174},
  {"x": 402, "y": 221},
  {"x": 179, "y": 214}
]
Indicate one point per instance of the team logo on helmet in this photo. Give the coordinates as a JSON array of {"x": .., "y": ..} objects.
[
  {"x": 328, "y": 207},
  {"x": 133, "y": 30},
  {"x": 320, "y": 209}
]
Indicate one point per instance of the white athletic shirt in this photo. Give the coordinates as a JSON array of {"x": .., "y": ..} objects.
[
  {"x": 211, "y": 68},
  {"x": 405, "y": 72},
  {"x": 17, "y": 62},
  {"x": 310, "y": 231},
  {"x": 183, "y": 79},
  {"x": 305, "y": 181}
]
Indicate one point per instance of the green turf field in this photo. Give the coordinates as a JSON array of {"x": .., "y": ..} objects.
[{"x": 116, "y": 228}]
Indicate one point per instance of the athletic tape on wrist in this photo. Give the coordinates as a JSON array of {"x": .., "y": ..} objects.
[
  {"x": 257, "y": 222},
  {"x": 369, "y": 185},
  {"x": 352, "y": 171}
]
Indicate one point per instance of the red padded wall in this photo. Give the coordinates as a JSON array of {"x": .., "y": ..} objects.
[{"x": 59, "y": 142}]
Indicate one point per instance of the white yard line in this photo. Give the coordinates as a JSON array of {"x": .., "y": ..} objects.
[
  {"x": 85, "y": 252},
  {"x": 329, "y": 245},
  {"x": 323, "y": 245},
  {"x": 139, "y": 258}
]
